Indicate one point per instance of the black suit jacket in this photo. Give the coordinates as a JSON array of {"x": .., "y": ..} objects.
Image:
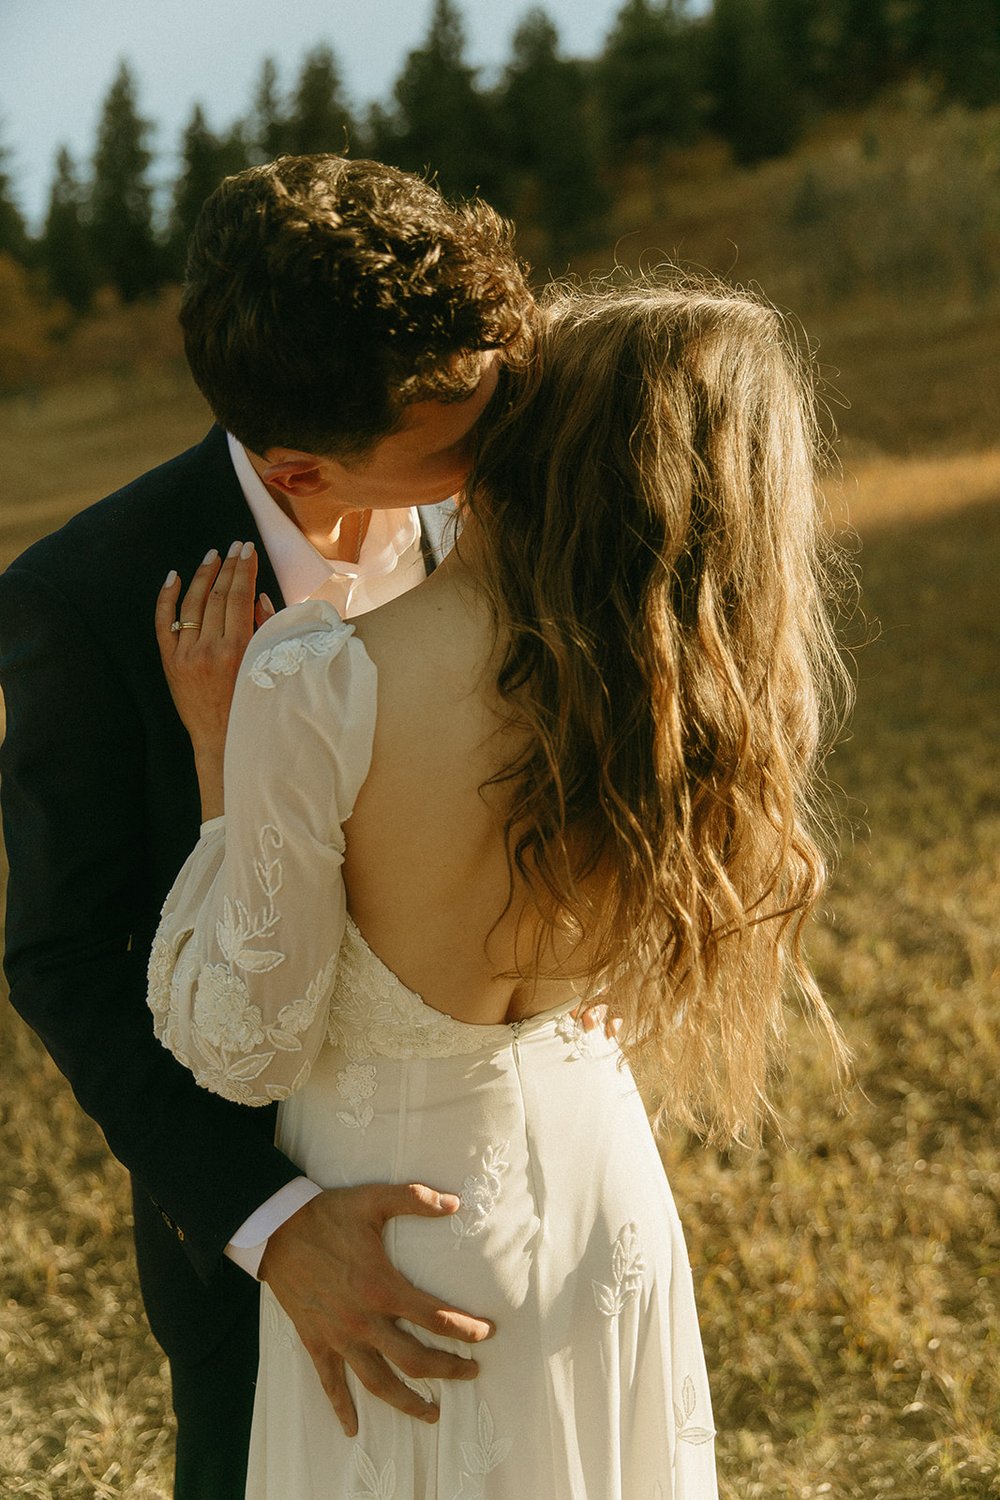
[{"x": 101, "y": 808}]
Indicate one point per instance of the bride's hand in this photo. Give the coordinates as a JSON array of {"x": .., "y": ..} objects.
[
  {"x": 201, "y": 647},
  {"x": 598, "y": 1015}
]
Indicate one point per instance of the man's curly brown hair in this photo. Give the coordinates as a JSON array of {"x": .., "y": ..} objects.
[{"x": 324, "y": 295}]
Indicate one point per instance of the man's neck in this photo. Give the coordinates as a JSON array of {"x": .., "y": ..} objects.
[{"x": 335, "y": 532}]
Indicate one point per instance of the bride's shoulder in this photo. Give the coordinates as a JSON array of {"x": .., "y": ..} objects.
[{"x": 307, "y": 637}]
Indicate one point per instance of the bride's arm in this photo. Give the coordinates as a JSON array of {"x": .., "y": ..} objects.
[
  {"x": 245, "y": 955},
  {"x": 298, "y": 689}
]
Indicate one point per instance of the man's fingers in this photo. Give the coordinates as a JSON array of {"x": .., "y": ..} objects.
[
  {"x": 413, "y": 1198},
  {"x": 330, "y": 1369},
  {"x": 420, "y": 1362},
  {"x": 405, "y": 1300},
  {"x": 376, "y": 1377},
  {"x": 423, "y": 1311}
]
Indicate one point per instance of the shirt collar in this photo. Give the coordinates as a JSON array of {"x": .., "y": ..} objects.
[{"x": 299, "y": 568}]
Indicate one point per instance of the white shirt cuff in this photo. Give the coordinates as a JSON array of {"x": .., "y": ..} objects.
[{"x": 248, "y": 1244}]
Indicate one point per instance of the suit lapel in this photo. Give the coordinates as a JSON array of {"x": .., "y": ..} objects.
[{"x": 231, "y": 516}]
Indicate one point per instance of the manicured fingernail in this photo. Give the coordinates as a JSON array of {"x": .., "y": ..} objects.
[
  {"x": 265, "y": 601},
  {"x": 449, "y": 1201},
  {"x": 170, "y": 579},
  {"x": 247, "y": 551},
  {"x": 234, "y": 550},
  {"x": 210, "y": 556}
]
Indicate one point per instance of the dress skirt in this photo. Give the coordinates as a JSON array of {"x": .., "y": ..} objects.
[{"x": 594, "y": 1385}]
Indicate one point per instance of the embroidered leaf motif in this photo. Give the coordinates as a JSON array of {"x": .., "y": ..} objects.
[
  {"x": 379, "y": 1484},
  {"x": 606, "y": 1300},
  {"x": 203, "y": 1011},
  {"x": 249, "y": 1067},
  {"x": 627, "y": 1266},
  {"x": 283, "y": 1040},
  {"x": 683, "y": 1414},
  {"x": 280, "y": 1327},
  {"x": 482, "y": 1457},
  {"x": 258, "y": 960}
]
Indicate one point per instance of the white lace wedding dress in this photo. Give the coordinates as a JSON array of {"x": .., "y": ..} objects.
[{"x": 594, "y": 1387}]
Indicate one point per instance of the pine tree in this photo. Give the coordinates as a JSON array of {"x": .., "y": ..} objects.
[
  {"x": 267, "y": 130},
  {"x": 547, "y": 136},
  {"x": 65, "y": 245},
  {"x": 13, "y": 231},
  {"x": 797, "y": 27},
  {"x": 647, "y": 77},
  {"x": 441, "y": 122},
  {"x": 121, "y": 220},
  {"x": 863, "y": 54},
  {"x": 754, "y": 105},
  {"x": 203, "y": 166},
  {"x": 960, "y": 47},
  {"x": 320, "y": 119}
]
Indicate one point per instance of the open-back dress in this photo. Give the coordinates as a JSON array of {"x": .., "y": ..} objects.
[{"x": 594, "y": 1386}]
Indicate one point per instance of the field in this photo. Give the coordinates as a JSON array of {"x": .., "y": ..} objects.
[{"x": 849, "y": 1274}]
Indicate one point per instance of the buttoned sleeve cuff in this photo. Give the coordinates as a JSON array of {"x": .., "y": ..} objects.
[{"x": 248, "y": 1244}]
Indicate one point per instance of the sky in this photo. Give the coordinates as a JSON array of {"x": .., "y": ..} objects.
[{"x": 60, "y": 56}]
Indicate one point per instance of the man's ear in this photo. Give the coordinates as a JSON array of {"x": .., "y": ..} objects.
[{"x": 299, "y": 478}]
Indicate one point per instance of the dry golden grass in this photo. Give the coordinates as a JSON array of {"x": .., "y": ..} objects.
[{"x": 849, "y": 1277}]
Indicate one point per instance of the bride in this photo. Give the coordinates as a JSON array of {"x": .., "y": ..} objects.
[{"x": 572, "y": 768}]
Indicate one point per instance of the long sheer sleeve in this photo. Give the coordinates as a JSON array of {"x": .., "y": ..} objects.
[{"x": 246, "y": 952}]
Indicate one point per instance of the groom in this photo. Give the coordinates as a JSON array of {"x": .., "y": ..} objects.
[{"x": 345, "y": 325}]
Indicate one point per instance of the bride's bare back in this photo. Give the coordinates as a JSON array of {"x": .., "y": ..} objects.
[{"x": 425, "y": 867}]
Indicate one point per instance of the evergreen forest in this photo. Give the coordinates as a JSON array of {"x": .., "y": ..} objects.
[{"x": 546, "y": 140}]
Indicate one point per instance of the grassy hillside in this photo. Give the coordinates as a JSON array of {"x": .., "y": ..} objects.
[{"x": 848, "y": 1277}]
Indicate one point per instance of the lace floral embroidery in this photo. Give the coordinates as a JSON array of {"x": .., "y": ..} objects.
[
  {"x": 355, "y": 1085},
  {"x": 373, "y": 1014},
  {"x": 480, "y": 1193},
  {"x": 582, "y": 1043},
  {"x": 686, "y": 1432},
  {"x": 481, "y": 1457},
  {"x": 380, "y": 1484},
  {"x": 627, "y": 1267},
  {"x": 286, "y": 657},
  {"x": 229, "y": 1045}
]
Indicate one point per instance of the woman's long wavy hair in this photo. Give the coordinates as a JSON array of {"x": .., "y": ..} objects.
[{"x": 653, "y": 553}]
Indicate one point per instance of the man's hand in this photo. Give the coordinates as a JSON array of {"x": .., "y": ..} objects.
[{"x": 328, "y": 1268}]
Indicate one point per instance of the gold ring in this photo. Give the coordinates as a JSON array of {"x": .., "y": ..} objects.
[{"x": 186, "y": 625}]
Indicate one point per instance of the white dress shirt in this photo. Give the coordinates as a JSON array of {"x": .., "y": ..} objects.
[{"x": 391, "y": 562}]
